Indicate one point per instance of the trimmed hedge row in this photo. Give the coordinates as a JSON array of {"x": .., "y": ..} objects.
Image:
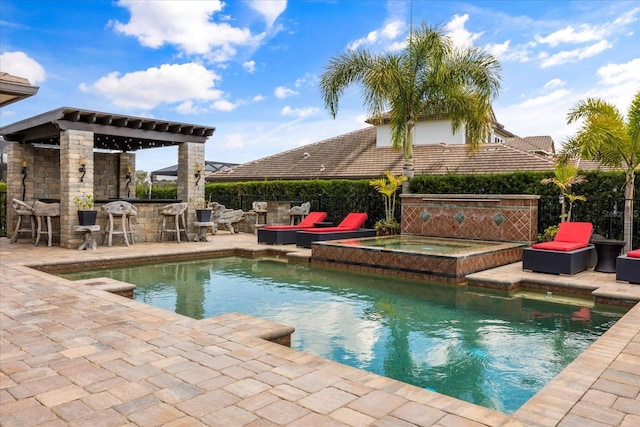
[{"x": 604, "y": 192}]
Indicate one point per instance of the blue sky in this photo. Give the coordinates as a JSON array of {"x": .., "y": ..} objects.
[{"x": 251, "y": 68}]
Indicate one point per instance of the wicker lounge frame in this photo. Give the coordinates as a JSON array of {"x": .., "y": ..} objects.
[
  {"x": 569, "y": 253},
  {"x": 349, "y": 228},
  {"x": 286, "y": 234},
  {"x": 628, "y": 268},
  {"x": 559, "y": 262},
  {"x": 306, "y": 238}
]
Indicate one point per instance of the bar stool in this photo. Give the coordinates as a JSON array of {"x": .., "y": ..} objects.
[
  {"x": 260, "y": 209},
  {"x": 24, "y": 209},
  {"x": 45, "y": 211},
  {"x": 175, "y": 212},
  {"x": 125, "y": 211}
]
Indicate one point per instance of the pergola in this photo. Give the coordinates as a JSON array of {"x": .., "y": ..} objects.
[{"x": 68, "y": 152}]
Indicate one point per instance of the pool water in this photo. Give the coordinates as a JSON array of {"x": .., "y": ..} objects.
[
  {"x": 486, "y": 348},
  {"x": 434, "y": 245}
]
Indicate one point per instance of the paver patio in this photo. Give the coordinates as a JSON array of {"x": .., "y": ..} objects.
[{"x": 80, "y": 356}]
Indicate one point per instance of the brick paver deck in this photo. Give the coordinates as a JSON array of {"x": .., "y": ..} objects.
[{"x": 76, "y": 355}]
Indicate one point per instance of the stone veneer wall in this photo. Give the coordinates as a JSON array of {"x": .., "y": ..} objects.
[{"x": 501, "y": 217}]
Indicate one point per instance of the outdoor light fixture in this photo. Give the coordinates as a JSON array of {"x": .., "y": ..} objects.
[
  {"x": 197, "y": 174},
  {"x": 24, "y": 177},
  {"x": 128, "y": 178},
  {"x": 82, "y": 169}
]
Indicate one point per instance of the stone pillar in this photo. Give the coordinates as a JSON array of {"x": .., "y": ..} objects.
[
  {"x": 76, "y": 149},
  {"x": 190, "y": 188},
  {"x": 127, "y": 163},
  {"x": 18, "y": 155}
]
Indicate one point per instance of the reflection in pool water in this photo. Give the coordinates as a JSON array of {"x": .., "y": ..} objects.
[{"x": 485, "y": 348}]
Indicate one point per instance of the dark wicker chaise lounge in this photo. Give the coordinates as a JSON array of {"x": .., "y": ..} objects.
[
  {"x": 286, "y": 234},
  {"x": 568, "y": 253},
  {"x": 628, "y": 267},
  {"x": 349, "y": 228}
]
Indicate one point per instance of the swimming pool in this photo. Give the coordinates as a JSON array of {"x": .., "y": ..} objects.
[{"x": 463, "y": 342}]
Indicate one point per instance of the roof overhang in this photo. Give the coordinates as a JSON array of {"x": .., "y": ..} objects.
[
  {"x": 14, "y": 89},
  {"x": 111, "y": 131}
]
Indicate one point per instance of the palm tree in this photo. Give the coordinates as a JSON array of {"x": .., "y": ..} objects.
[
  {"x": 427, "y": 78},
  {"x": 387, "y": 186},
  {"x": 606, "y": 136},
  {"x": 564, "y": 176}
]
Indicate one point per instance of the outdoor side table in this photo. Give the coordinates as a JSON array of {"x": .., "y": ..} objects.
[
  {"x": 89, "y": 239},
  {"x": 608, "y": 251},
  {"x": 201, "y": 235},
  {"x": 323, "y": 224}
]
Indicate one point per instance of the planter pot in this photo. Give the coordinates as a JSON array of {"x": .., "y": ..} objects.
[
  {"x": 87, "y": 217},
  {"x": 203, "y": 215}
]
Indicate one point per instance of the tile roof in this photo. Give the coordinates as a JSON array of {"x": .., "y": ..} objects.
[
  {"x": 354, "y": 155},
  {"x": 538, "y": 144}
]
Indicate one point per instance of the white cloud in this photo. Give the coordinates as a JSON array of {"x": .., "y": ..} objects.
[
  {"x": 170, "y": 83},
  {"x": 185, "y": 24},
  {"x": 498, "y": 49},
  {"x": 269, "y": 9},
  {"x": 188, "y": 107},
  {"x": 282, "y": 92},
  {"x": 259, "y": 98},
  {"x": 299, "y": 112},
  {"x": 620, "y": 73},
  {"x": 543, "y": 100},
  {"x": 20, "y": 64},
  {"x": 250, "y": 66},
  {"x": 576, "y": 54},
  {"x": 389, "y": 32},
  {"x": 223, "y": 105},
  {"x": 459, "y": 34},
  {"x": 583, "y": 34},
  {"x": 554, "y": 83}
]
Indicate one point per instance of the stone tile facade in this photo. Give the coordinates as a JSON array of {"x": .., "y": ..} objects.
[{"x": 507, "y": 218}]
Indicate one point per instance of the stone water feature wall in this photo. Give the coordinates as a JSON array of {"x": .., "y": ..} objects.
[{"x": 501, "y": 217}]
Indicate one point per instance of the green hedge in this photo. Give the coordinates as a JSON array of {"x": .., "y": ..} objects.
[{"x": 604, "y": 192}]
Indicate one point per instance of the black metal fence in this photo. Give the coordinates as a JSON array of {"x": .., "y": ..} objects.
[
  {"x": 606, "y": 214},
  {"x": 3, "y": 214},
  {"x": 337, "y": 206}
]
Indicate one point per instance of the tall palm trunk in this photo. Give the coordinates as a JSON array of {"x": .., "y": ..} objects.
[
  {"x": 628, "y": 210},
  {"x": 407, "y": 168}
]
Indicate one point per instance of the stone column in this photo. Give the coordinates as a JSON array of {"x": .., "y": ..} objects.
[
  {"x": 190, "y": 188},
  {"x": 76, "y": 149}
]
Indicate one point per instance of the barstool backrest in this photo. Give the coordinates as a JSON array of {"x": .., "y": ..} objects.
[
  {"x": 120, "y": 207},
  {"x": 22, "y": 208},
  {"x": 46, "y": 209},
  {"x": 173, "y": 209}
]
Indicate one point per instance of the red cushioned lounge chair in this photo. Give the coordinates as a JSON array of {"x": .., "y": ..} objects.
[
  {"x": 628, "y": 267},
  {"x": 286, "y": 234},
  {"x": 569, "y": 253},
  {"x": 349, "y": 228}
]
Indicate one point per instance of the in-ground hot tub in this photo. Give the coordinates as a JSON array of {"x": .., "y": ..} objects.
[{"x": 434, "y": 258}]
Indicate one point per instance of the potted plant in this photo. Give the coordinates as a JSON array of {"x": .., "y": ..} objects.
[
  {"x": 86, "y": 215},
  {"x": 203, "y": 209},
  {"x": 387, "y": 186}
]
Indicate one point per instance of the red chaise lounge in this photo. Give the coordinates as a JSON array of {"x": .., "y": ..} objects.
[
  {"x": 349, "y": 228},
  {"x": 569, "y": 253},
  {"x": 628, "y": 267},
  {"x": 286, "y": 234}
]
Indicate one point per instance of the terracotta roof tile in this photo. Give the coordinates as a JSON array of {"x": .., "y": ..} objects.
[{"x": 355, "y": 156}]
